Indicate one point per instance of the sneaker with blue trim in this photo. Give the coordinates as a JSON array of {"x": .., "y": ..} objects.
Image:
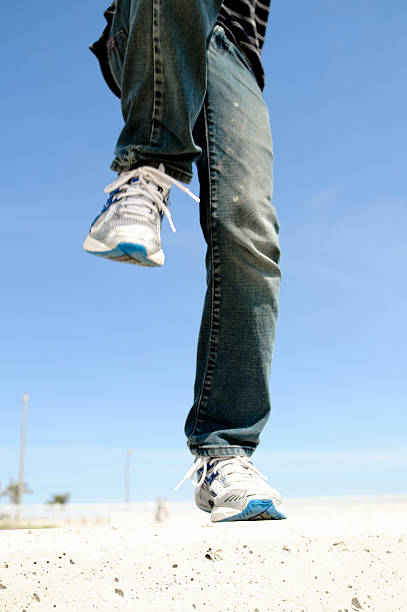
[
  {"x": 232, "y": 489},
  {"x": 129, "y": 225}
]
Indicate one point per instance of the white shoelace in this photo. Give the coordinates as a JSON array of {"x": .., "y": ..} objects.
[
  {"x": 145, "y": 192},
  {"x": 242, "y": 469}
]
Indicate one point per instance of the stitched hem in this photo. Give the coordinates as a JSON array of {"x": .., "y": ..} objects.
[
  {"x": 222, "y": 451},
  {"x": 132, "y": 160}
]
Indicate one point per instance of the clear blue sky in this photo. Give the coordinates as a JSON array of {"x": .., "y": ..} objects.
[{"x": 107, "y": 351}]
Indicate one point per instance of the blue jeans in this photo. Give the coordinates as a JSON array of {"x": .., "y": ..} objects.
[{"x": 192, "y": 97}]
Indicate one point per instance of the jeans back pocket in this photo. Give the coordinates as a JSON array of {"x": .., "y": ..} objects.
[{"x": 116, "y": 51}]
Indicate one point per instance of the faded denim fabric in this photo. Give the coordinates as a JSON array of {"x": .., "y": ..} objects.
[
  {"x": 232, "y": 400},
  {"x": 157, "y": 55},
  {"x": 194, "y": 101}
]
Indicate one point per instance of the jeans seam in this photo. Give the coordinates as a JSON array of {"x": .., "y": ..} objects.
[
  {"x": 158, "y": 75},
  {"x": 215, "y": 299}
]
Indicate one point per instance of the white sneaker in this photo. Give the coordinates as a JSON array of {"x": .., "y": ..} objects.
[
  {"x": 232, "y": 489},
  {"x": 129, "y": 225}
]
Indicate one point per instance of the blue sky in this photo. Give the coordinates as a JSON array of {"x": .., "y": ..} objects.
[{"x": 107, "y": 351}]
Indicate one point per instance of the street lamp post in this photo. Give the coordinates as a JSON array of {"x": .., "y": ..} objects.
[
  {"x": 127, "y": 476},
  {"x": 26, "y": 397}
]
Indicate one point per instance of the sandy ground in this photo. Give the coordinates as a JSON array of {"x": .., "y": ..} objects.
[{"x": 333, "y": 555}]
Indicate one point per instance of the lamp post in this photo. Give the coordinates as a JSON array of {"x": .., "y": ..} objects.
[
  {"x": 20, "y": 491},
  {"x": 127, "y": 476}
]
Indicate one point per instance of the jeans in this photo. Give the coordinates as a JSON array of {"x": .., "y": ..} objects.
[
  {"x": 159, "y": 65},
  {"x": 192, "y": 97}
]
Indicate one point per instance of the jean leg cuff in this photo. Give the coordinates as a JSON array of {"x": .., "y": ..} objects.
[
  {"x": 129, "y": 162},
  {"x": 222, "y": 451}
]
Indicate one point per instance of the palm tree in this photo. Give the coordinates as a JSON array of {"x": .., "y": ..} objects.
[
  {"x": 12, "y": 491},
  {"x": 59, "y": 498}
]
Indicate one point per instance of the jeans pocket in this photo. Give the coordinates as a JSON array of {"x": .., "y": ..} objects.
[
  {"x": 237, "y": 53},
  {"x": 116, "y": 51}
]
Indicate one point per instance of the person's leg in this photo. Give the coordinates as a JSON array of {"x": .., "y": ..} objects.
[
  {"x": 232, "y": 402},
  {"x": 157, "y": 52},
  {"x": 160, "y": 73}
]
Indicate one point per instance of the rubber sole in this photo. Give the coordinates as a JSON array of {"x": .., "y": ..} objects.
[
  {"x": 125, "y": 252},
  {"x": 256, "y": 510}
]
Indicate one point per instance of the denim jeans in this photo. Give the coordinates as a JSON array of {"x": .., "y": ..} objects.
[
  {"x": 157, "y": 56},
  {"x": 192, "y": 97}
]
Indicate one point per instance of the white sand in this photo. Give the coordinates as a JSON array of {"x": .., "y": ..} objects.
[{"x": 329, "y": 555}]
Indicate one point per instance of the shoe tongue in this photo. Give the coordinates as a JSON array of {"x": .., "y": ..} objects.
[
  {"x": 141, "y": 202},
  {"x": 233, "y": 469},
  {"x": 149, "y": 181},
  {"x": 225, "y": 461}
]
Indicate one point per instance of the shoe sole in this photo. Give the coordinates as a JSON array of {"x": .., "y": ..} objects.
[
  {"x": 256, "y": 510},
  {"x": 126, "y": 252}
]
